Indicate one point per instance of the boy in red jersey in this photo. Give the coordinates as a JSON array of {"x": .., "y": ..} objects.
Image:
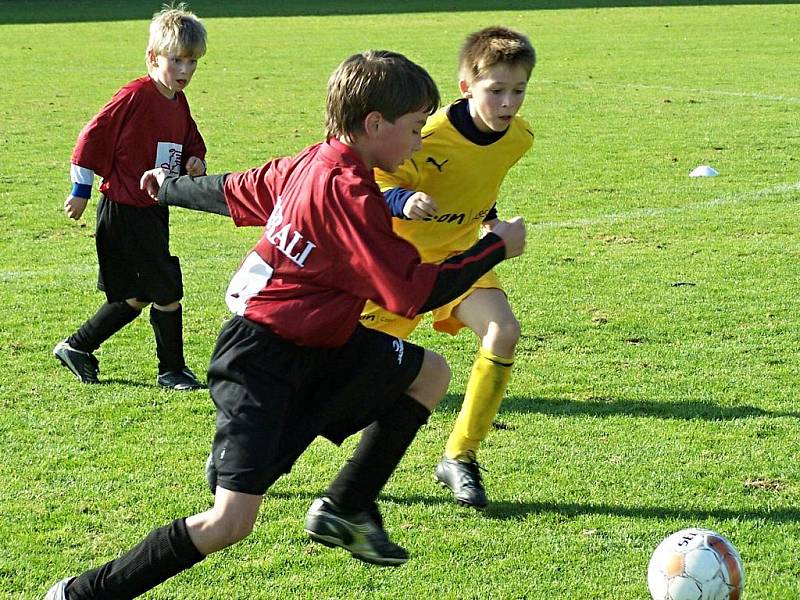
[
  {"x": 442, "y": 199},
  {"x": 293, "y": 362},
  {"x": 146, "y": 124}
]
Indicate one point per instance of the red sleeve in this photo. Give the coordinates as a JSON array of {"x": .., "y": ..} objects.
[
  {"x": 251, "y": 194},
  {"x": 390, "y": 270},
  {"x": 97, "y": 141}
]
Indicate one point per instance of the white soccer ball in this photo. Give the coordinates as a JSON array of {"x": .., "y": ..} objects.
[{"x": 695, "y": 564}]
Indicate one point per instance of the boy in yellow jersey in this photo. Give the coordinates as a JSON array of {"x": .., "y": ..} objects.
[{"x": 441, "y": 200}]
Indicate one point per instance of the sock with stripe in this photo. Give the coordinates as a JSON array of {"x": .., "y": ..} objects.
[{"x": 485, "y": 390}]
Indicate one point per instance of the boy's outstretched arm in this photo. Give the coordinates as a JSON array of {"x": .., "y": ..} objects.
[
  {"x": 459, "y": 272},
  {"x": 197, "y": 193}
]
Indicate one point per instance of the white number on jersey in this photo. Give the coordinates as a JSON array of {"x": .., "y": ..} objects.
[{"x": 252, "y": 277}]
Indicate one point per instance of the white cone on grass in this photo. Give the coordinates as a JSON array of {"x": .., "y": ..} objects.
[{"x": 704, "y": 171}]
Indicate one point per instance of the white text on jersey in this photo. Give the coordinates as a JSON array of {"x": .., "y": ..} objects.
[{"x": 284, "y": 238}]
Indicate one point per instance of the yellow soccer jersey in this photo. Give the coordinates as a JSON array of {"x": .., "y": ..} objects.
[{"x": 462, "y": 177}]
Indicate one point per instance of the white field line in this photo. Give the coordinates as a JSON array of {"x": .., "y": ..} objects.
[
  {"x": 669, "y": 88},
  {"x": 50, "y": 272},
  {"x": 642, "y": 213}
]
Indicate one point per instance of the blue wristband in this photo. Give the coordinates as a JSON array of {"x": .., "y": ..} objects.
[{"x": 82, "y": 190}]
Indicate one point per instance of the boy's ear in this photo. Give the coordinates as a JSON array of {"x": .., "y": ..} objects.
[
  {"x": 463, "y": 85},
  {"x": 151, "y": 58},
  {"x": 372, "y": 122}
]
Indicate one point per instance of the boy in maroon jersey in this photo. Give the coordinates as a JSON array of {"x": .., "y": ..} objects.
[
  {"x": 146, "y": 124},
  {"x": 293, "y": 362}
]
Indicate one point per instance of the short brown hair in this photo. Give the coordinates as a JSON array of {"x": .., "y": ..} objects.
[
  {"x": 176, "y": 30},
  {"x": 376, "y": 80},
  {"x": 491, "y": 46}
]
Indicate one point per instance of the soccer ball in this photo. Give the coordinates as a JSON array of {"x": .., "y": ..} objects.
[{"x": 695, "y": 564}]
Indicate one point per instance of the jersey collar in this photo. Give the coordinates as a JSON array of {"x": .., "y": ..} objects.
[
  {"x": 459, "y": 117},
  {"x": 336, "y": 151}
]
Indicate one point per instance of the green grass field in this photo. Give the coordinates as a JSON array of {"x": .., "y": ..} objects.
[{"x": 657, "y": 381}]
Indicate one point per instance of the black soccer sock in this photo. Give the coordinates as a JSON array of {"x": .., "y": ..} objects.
[
  {"x": 108, "y": 320},
  {"x": 382, "y": 445},
  {"x": 163, "y": 553},
  {"x": 168, "y": 328}
]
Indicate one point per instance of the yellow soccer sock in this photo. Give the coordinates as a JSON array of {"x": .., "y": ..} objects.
[{"x": 485, "y": 390}]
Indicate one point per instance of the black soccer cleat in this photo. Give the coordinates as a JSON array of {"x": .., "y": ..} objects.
[
  {"x": 83, "y": 365},
  {"x": 361, "y": 533},
  {"x": 463, "y": 478},
  {"x": 182, "y": 380}
]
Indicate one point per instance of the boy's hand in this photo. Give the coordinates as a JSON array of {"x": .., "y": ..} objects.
[
  {"x": 151, "y": 182},
  {"x": 420, "y": 206},
  {"x": 195, "y": 166},
  {"x": 513, "y": 234},
  {"x": 74, "y": 206}
]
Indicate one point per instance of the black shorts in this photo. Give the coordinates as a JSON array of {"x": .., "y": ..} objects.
[
  {"x": 274, "y": 398},
  {"x": 133, "y": 254}
]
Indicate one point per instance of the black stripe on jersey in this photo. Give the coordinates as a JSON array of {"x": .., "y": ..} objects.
[{"x": 458, "y": 273}]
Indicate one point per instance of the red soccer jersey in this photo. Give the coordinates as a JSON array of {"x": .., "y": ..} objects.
[
  {"x": 139, "y": 129},
  {"x": 327, "y": 247}
]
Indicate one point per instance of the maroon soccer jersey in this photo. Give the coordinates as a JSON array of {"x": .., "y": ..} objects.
[
  {"x": 327, "y": 246},
  {"x": 139, "y": 129}
]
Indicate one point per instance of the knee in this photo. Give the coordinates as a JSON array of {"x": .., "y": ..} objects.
[
  {"x": 220, "y": 530},
  {"x": 136, "y": 304},
  {"x": 503, "y": 335},
  {"x": 439, "y": 374},
  {"x": 432, "y": 381},
  {"x": 171, "y": 307},
  {"x": 235, "y": 529}
]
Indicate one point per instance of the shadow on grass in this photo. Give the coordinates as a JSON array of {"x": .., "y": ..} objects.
[
  {"x": 503, "y": 511},
  {"x": 46, "y": 11},
  {"x": 127, "y": 382},
  {"x": 610, "y": 407},
  {"x": 516, "y": 510}
]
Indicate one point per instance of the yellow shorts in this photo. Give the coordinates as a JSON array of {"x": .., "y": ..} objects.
[{"x": 377, "y": 317}]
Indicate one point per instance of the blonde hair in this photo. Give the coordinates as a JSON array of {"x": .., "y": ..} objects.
[
  {"x": 176, "y": 31},
  {"x": 376, "y": 80},
  {"x": 491, "y": 46}
]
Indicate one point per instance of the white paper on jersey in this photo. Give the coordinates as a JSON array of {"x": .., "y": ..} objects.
[{"x": 168, "y": 156}]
